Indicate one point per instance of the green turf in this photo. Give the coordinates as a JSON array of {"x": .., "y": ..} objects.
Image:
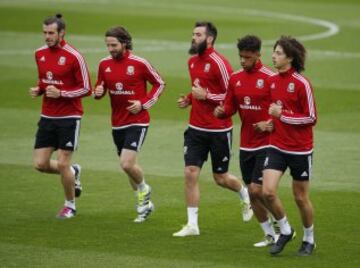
[{"x": 103, "y": 233}]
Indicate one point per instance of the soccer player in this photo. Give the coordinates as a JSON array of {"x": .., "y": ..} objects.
[
  {"x": 125, "y": 76},
  {"x": 248, "y": 95},
  {"x": 209, "y": 72},
  {"x": 291, "y": 143},
  {"x": 63, "y": 79}
]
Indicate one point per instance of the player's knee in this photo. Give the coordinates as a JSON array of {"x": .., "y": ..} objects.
[
  {"x": 220, "y": 179},
  {"x": 255, "y": 193},
  {"x": 268, "y": 195},
  {"x": 41, "y": 166},
  {"x": 190, "y": 173},
  {"x": 127, "y": 166},
  {"x": 63, "y": 165},
  {"x": 301, "y": 199}
]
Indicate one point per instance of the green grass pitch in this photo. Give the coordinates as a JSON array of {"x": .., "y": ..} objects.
[{"x": 103, "y": 233}]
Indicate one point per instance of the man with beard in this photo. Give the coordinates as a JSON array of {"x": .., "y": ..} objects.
[
  {"x": 209, "y": 72},
  {"x": 63, "y": 81},
  {"x": 125, "y": 76}
]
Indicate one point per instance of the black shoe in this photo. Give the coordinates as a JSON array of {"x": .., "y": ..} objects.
[
  {"x": 281, "y": 242},
  {"x": 306, "y": 249}
]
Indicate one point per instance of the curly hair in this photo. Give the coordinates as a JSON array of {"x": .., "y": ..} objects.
[{"x": 293, "y": 49}]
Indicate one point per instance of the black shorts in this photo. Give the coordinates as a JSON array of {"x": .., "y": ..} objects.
[
  {"x": 300, "y": 165},
  {"x": 198, "y": 144},
  {"x": 58, "y": 133},
  {"x": 252, "y": 165},
  {"x": 131, "y": 138}
]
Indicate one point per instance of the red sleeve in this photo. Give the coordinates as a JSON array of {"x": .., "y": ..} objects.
[
  {"x": 40, "y": 84},
  {"x": 308, "y": 115},
  {"x": 158, "y": 85},
  {"x": 230, "y": 103},
  {"x": 223, "y": 72},
  {"x": 100, "y": 80},
  {"x": 82, "y": 77}
]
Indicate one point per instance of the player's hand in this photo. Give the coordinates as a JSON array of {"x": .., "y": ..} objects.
[
  {"x": 263, "y": 126},
  {"x": 199, "y": 93},
  {"x": 99, "y": 90},
  {"x": 183, "y": 102},
  {"x": 52, "y": 92},
  {"x": 135, "y": 106},
  {"x": 275, "y": 110},
  {"x": 219, "y": 111},
  {"x": 34, "y": 92}
]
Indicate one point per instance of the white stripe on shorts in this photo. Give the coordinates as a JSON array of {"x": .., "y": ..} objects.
[
  {"x": 77, "y": 132},
  {"x": 143, "y": 130}
]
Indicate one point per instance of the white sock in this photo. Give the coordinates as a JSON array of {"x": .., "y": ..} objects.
[
  {"x": 142, "y": 186},
  {"x": 192, "y": 213},
  {"x": 284, "y": 226},
  {"x": 244, "y": 194},
  {"x": 267, "y": 228},
  {"x": 309, "y": 234},
  {"x": 70, "y": 204},
  {"x": 72, "y": 170}
]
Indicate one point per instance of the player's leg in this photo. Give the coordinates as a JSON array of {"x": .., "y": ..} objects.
[
  {"x": 274, "y": 167},
  {"x": 220, "y": 151},
  {"x": 301, "y": 171},
  {"x": 195, "y": 153},
  {"x": 68, "y": 131},
  {"x": 45, "y": 144},
  {"x": 130, "y": 142}
]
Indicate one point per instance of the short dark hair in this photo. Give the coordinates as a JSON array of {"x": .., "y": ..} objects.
[
  {"x": 249, "y": 43},
  {"x": 56, "y": 19},
  {"x": 121, "y": 34},
  {"x": 293, "y": 49},
  {"x": 210, "y": 28}
]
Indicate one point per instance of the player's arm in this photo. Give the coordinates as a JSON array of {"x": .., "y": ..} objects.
[
  {"x": 158, "y": 86},
  {"x": 307, "y": 117},
  {"x": 82, "y": 77},
  {"x": 100, "y": 86}
]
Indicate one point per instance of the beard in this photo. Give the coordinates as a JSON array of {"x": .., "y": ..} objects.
[
  {"x": 117, "y": 55},
  {"x": 197, "y": 49}
]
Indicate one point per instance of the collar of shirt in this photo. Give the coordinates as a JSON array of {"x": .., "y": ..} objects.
[
  {"x": 288, "y": 72},
  {"x": 257, "y": 67},
  {"x": 207, "y": 52}
]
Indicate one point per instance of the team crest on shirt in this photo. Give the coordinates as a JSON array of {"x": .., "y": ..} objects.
[
  {"x": 247, "y": 100},
  {"x": 291, "y": 88},
  {"x": 238, "y": 83},
  {"x": 42, "y": 59},
  {"x": 49, "y": 75},
  {"x": 272, "y": 86},
  {"x": 130, "y": 70},
  {"x": 260, "y": 83},
  {"x": 62, "y": 60},
  {"x": 119, "y": 86},
  {"x": 207, "y": 67}
]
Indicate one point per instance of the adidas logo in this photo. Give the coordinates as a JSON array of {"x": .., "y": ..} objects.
[
  {"x": 108, "y": 70},
  {"x": 260, "y": 179},
  {"x": 219, "y": 169},
  {"x": 42, "y": 58},
  {"x": 69, "y": 144},
  {"x": 238, "y": 83},
  {"x": 304, "y": 174},
  {"x": 134, "y": 144},
  {"x": 225, "y": 159}
]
